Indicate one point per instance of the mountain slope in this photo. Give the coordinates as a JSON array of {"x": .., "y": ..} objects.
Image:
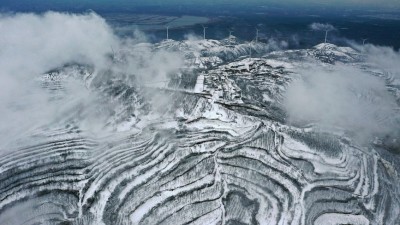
[{"x": 212, "y": 148}]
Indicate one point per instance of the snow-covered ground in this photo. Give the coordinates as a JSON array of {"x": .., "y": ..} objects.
[{"x": 212, "y": 145}]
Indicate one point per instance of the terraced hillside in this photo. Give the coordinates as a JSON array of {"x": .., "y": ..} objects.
[{"x": 213, "y": 145}]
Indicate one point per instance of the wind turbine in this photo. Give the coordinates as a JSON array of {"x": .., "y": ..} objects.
[
  {"x": 250, "y": 50},
  {"x": 231, "y": 38},
  {"x": 323, "y": 27},
  {"x": 257, "y": 34},
  {"x": 167, "y": 32},
  {"x": 326, "y": 34},
  {"x": 204, "y": 32}
]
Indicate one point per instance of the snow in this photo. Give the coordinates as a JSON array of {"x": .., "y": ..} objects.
[
  {"x": 337, "y": 219},
  {"x": 199, "y": 87}
]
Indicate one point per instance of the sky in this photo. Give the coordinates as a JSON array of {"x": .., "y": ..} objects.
[{"x": 124, "y": 4}]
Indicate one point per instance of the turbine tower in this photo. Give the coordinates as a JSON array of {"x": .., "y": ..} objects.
[
  {"x": 326, "y": 35},
  {"x": 167, "y": 32},
  {"x": 204, "y": 32},
  {"x": 231, "y": 38},
  {"x": 250, "y": 50},
  {"x": 257, "y": 34}
]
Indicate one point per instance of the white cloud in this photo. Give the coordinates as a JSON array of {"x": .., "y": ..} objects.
[
  {"x": 384, "y": 57},
  {"x": 322, "y": 27},
  {"x": 32, "y": 44},
  {"x": 42, "y": 42},
  {"x": 342, "y": 97}
]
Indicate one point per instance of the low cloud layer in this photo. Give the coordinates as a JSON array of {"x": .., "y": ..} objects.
[
  {"x": 384, "y": 57},
  {"x": 343, "y": 97},
  {"x": 42, "y": 42},
  {"x": 31, "y": 45}
]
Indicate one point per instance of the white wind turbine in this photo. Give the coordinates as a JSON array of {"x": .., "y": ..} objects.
[
  {"x": 258, "y": 30},
  {"x": 250, "y": 51},
  {"x": 323, "y": 27},
  {"x": 167, "y": 32},
  {"x": 204, "y": 32},
  {"x": 250, "y": 47},
  {"x": 326, "y": 34},
  {"x": 231, "y": 38}
]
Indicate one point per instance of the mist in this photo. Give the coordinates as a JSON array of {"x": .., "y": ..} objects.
[
  {"x": 33, "y": 44},
  {"x": 336, "y": 96},
  {"x": 343, "y": 98},
  {"x": 385, "y": 57}
]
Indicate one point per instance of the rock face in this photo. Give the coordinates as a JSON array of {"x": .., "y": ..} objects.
[{"x": 216, "y": 149}]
